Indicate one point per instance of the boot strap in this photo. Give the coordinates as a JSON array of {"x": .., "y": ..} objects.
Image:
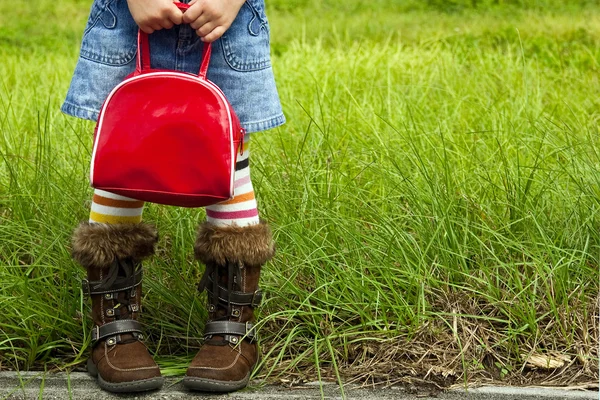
[
  {"x": 231, "y": 331},
  {"x": 91, "y": 287},
  {"x": 115, "y": 328},
  {"x": 252, "y": 299}
]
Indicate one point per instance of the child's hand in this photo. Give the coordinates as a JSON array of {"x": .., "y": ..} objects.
[
  {"x": 211, "y": 18},
  {"x": 154, "y": 15}
]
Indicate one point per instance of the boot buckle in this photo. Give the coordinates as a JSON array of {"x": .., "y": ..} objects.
[
  {"x": 95, "y": 333},
  {"x": 250, "y": 332},
  {"x": 85, "y": 286},
  {"x": 256, "y": 298}
]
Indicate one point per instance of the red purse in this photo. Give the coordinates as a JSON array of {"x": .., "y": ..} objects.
[{"x": 167, "y": 137}]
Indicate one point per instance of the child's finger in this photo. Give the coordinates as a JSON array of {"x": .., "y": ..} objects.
[
  {"x": 175, "y": 15},
  {"x": 167, "y": 24},
  {"x": 206, "y": 29},
  {"x": 192, "y": 13},
  {"x": 202, "y": 20},
  {"x": 147, "y": 29},
  {"x": 156, "y": 26},
  {"x": 214, "y": 35}
]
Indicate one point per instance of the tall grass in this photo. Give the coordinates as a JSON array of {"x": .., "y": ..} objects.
[{"x": 434, "y": 198}]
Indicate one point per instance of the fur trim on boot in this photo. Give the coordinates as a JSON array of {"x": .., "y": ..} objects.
[
  {"x": 250, "y": 245},
  {"x": 97, "y": 245}
]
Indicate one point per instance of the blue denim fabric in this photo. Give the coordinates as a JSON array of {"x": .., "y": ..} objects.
[{"x": 240, "y": 64}]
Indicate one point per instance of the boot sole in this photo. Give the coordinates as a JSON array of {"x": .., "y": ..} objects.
[
  {"x": 125, "y": 387},
  {"x": 212, "y": 385}
]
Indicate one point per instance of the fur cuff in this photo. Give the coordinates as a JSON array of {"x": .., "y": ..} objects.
[
  {"x": 97, "y": 245},
  {"x": 250, "y": 245}
]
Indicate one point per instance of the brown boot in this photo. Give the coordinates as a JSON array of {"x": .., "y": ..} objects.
[
  {"x": 233, "y": 257},
  {"x": 111, "y": 254}
]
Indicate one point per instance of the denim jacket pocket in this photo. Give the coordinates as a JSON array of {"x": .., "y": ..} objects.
[
  {"x": 246, "y": 44},
  {"x": 110, "y": 36}
]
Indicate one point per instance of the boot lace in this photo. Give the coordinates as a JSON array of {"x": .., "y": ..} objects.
[
  {"x": 222, "y": 312},
  {"x": 120, "y": 272}
]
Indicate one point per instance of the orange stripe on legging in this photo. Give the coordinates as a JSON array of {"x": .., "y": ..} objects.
[
  {"x": 240, "y": 198},
  {"x": 105, "y": 201}
]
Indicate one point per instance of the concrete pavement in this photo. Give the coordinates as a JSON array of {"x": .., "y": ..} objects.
[{"x": 79, "y": 386}]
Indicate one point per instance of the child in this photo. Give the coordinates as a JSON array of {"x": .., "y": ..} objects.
[{"x": 233, "y": 243}]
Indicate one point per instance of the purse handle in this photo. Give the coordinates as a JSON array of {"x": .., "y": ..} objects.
[{"x": 143, "y": 56}]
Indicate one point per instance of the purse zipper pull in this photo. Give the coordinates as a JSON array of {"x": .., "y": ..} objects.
[{"x": 243, "y": 133}]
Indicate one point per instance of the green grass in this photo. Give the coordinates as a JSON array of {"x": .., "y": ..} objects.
[{"x": 434, "y": 196}]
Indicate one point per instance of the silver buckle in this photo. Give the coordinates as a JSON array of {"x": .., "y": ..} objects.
[
  {"x": 96, "y": 330},
  {"x": 85, "y": 286},
  {"x": 252, "y": 303},
  {"x": 250, "y": 329}
]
